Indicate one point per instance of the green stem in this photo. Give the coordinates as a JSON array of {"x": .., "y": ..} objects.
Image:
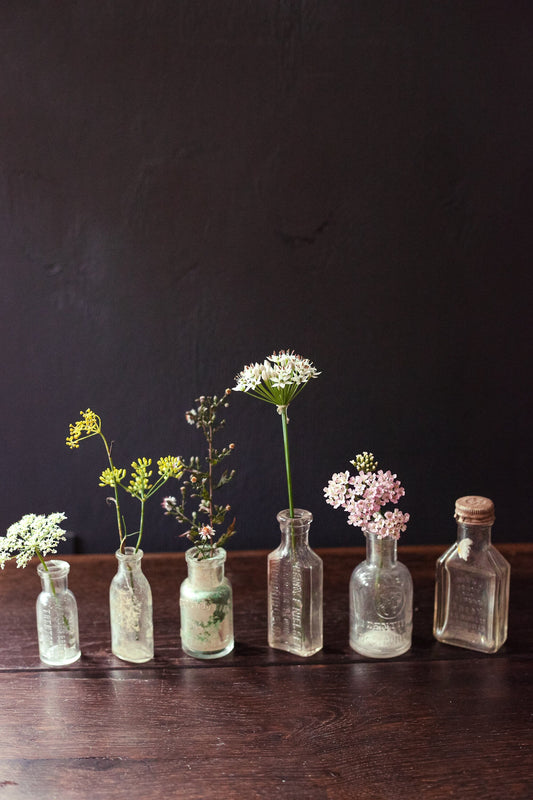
[
  {"x": 52, "y": 587},
  {"x": 287, "y": 460},
  {"x": 141, "y": 526},
  {"x": 121, "y": 536},
  {"x": 288, "y": 470}
]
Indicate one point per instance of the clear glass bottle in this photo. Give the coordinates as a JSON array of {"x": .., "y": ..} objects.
[
  {"x": 130, "y": 606},
  {"x": 472, "y": 582},
  {"x": 206, "y": 606},
  {"x": 57, "y": 616},
  {"x": 295, "y": 588},
  {"x": 381, "y": 601}
]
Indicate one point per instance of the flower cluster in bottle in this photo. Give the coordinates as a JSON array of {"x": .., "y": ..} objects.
[
  {"x": 34, "y": 534},
  {"x": 139, "y": 485},
  {"x": 363, "y": 496},
  {"x": 201, "y": 480}
]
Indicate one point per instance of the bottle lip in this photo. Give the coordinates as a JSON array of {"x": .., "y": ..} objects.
[
  {"x": 219, "y": 556},
  {"x": 300, "y": 515},
  {"x": 55, "y": 568},
  {"x": 129, "y": 554},
  {"x": 474, "y": 510}
]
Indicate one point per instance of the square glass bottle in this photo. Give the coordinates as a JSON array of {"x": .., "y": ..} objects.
[{"x": 472, "y": 583}]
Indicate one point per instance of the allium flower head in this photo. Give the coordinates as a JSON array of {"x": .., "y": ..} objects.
[{"x": 278, "y": 379}]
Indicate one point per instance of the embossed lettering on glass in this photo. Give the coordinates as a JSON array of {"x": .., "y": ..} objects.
[{"x": 381, "y": 601}]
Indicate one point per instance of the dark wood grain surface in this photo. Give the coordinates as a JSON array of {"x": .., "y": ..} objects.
[{"x": 438, "y": 722}]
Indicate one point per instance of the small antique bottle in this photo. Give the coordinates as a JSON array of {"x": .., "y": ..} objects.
[
  {"x": 130, "y": 606},
  {"x": 206, "y": 606},
  {"x": 381, "y": 601},
  {"x": 472, "y": 583},
  {"x": 57, "y": 616},
  {"x": 295, "y": 588}
]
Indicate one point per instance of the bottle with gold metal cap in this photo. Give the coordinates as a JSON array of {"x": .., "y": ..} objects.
[{"x": 472, "y": 582}]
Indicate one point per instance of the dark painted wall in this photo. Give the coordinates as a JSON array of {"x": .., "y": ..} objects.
[{"x": 186, "y": 186}]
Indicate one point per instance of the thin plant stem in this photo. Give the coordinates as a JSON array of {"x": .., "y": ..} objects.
[
  {"x": 287, "y": 460},
  {"x": 52, "y": 587},
  {"x": 121, "y": 536},
  {"x": 288, "y": 469}
]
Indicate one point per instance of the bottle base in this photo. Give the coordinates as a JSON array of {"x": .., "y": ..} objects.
[
  {"x": 296, "y": 651},
  {"x": 477, "y": 648},
  {"x": 375, "y": 645},
  {"x": 138, "y": 657},
  {"x": 56, "y": 657},
  {"x": 208, "y": 654}
]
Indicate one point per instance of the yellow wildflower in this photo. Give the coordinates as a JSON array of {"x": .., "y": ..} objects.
[
  {"x": 112, "y": 477},
  {"x": 170, "y": 467},
  {"x": 89, "y": 425}
]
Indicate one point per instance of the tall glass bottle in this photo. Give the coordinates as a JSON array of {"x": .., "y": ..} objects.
[
  {"x": 57, "y": 616},
  {"x": 472, "y": 582},
  {"x": 295, "y": 588},
  {"x": 206, "y": 606},
  {"x": 130, "y": 606},
  {"x": 381, "y": 601}
]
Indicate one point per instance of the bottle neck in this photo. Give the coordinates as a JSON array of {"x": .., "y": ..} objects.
[
  {"x": 205, "y": 573},
  {"x": 129, "y": 560},
  {"x": 479, "y": 535},
  {"x": 381, "y": 551},
  {"x": 54, "y": 577},
  {"x": 295, "y": 530}
]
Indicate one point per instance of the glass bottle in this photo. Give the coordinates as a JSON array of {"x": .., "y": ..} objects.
[
  {"x": 130, "y": 606},
  {"x": 381, "y": 601},
  {"x": 472, "y": 582},
  {"x": 57, "y": 616},
  {"x": 295, "y": 588},
  {"x": 206, "y": 606}
]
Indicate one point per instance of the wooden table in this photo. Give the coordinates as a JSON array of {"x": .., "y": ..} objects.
[{"x": 438, "y": 722}]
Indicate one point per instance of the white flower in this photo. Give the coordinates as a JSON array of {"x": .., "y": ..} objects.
[
  {"x": 278, "y": 379},
  {"x": 463, "y": 548},
  {"x": 206, "y": 533},
  {"x": 31, "y": 534}
]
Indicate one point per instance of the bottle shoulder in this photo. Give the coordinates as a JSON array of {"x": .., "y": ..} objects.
[{"x": 487, "y": 561}]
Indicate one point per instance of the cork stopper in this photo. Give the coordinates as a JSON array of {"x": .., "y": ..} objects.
[{"x": 474, "y": 510}]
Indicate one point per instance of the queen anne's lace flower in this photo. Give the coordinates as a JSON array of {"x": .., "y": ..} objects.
[
  {"x": 363, "y": 496},
  {"x": 30, "y": 536}
]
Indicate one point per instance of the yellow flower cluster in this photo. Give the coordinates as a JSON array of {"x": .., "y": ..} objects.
[
  {"x": 139, "y": 485},
  {"x": 89, "y": 424},
  {"x": 170, "y": 467},
  {"x": 112, "y": 477}
]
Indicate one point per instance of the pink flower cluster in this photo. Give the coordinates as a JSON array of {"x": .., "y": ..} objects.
[{"x": 363, "y": 496}]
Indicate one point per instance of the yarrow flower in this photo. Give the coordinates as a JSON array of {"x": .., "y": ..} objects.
[
  {"x": 33, "y": 535},
  {"x": 363, "y": 496}
]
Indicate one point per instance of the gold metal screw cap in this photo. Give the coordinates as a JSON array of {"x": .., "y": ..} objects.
[{"x": 474, "y": 510}]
